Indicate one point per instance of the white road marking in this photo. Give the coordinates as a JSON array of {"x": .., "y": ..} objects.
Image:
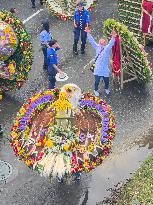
[{"x": 33, "y": 15}]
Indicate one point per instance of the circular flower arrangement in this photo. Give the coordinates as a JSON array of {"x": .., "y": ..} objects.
[
  {"x": 55, "y": 150},
  {"x": 15, "y": 52},
  {"x": 65, "y": 9}
]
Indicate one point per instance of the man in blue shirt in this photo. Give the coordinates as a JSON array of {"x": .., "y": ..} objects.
[
  {"x": 102, "y": 60},
  {"x": 81, "y": 21},
  {"x": 53, "y": 66}
]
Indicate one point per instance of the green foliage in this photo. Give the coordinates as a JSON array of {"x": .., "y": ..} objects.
[
  {"x": 22, "y": 55},
  {"x": 140, "y": 188}
]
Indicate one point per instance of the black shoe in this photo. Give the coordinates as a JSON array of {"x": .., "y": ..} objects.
[
  {"x": 33, "y": 6},
  {"x": 41, "y": 3},
  {"x": 75, "y": 52},
  {"x": 60, "y": 180},
  {"x": 1, "y": 132},
  {"x": 82, "y": 52}
]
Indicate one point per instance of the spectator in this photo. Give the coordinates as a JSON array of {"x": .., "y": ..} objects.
[
  {"x": 34, "y": 4},
  {"x": 102, "y": 60},
  {"x": 45, "y": 38},
  {"x": 81, "y": 20},
  {"x": 13, "y": 11},
  {"x": 53, "y": 66}
]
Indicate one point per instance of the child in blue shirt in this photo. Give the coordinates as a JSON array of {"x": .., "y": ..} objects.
[{"x": 53, "y": 66}]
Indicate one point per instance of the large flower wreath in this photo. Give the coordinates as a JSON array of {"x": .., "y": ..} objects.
[
  {"x": 65, "y": 9},
  {"x": 15, "y": 52},
  {"x": 52, "y": 149}
]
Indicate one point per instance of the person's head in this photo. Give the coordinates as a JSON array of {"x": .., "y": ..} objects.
[
  {"x": 13, "y": 11},
  {"x": 80, "y": 6},
  {"x": 53, "y": 43},
  {"x": 102, "y": 42},
  {"x": 45, "y": 25}
]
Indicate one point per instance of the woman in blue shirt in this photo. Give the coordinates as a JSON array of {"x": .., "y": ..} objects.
[
  {"x": 45, "y": 38},
  {"x": 102, "y": 60}
]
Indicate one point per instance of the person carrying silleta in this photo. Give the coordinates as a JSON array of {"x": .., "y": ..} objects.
[
  {"x": 45, "y": 38},
  {"x": 81, "y": 20},
  {"x": 102, "y": 60},
  {"x": 53, "y": 66}
]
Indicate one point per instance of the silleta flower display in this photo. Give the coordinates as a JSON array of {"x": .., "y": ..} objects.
[
  {"x": 133, "y": 53},
  {"x": 15, "y": 52},
  {"x": 57, "y": 143},
  {"x": 65, "y": 9}
]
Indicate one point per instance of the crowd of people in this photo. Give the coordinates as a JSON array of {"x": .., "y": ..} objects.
[{"x": 81, "y": 26}]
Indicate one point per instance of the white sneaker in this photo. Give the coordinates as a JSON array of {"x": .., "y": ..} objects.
[
  {"x": 96, "y": 93},
  {"x": 107, "y": 91}
]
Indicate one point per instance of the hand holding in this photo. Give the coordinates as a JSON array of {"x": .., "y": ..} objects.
[
  {"x": 114, "y": 34},
  {"x": 75, "y": 26},
  {"x": 87, "y": 30}
]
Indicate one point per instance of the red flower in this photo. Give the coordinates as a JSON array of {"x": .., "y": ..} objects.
[{"x": 63, "y": 18}]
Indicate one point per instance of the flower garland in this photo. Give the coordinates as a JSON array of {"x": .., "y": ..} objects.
[
  {"x": 64, "y": 10},
  {"x": 16, "y": 59},
  {"x": 136, "y": 53},
  {"x": 54, "y": 150},
  {"x": 130, "y": 15}
]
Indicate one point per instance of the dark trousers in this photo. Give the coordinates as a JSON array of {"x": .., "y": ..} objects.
[
  {"x": 97, "y": 81},
  {"x": 44, "y": 50},
  {"x": 33, "y": 2},
  {"x": 77, "y": 32},
  {"x": 0, "y": 127},
  {"x": 52, "y": 79}
]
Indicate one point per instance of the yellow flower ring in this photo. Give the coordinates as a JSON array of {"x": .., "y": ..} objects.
[
  {"x": 84, "y": 151},
  {"x": 15, "y": 52},
  {"x": 65, "y": 9}
]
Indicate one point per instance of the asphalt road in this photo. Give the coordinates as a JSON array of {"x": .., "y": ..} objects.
[{"x": 131, "y": 106}]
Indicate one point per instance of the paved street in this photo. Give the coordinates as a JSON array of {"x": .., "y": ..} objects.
[{"x": 132, "y": 107}]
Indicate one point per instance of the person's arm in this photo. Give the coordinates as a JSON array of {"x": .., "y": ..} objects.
[
  {"x": 57, "y": 68},
  {"x": 92, "y": 41},
  {"x": 75, "y": 25},
  {"x": 87, "y": 19},
  {"x": 111, "y": 43}
]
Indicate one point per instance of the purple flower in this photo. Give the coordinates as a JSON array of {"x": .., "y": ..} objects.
[
  {"x": 82, "y": 137},
  {"x": 103, "y": 140},
  {"x": 104, "y": 134}
]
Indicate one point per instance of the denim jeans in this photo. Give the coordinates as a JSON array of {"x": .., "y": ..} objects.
[
  {"x": 44, "y": 50},
  {"x": 52, "y": 79},
  {"x": 97, "y": 81}
]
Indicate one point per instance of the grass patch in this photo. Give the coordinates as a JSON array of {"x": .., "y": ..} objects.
[{"x": 139, "y": 190}]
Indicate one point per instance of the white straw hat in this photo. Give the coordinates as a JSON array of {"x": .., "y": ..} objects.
[{"x": 61, "y": 77}]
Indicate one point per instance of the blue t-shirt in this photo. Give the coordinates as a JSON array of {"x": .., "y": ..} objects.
[
  {"x": 45, "y": 37},
  {"x": 52, "y": 59},
  {"x": 81, "y": 18}
]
